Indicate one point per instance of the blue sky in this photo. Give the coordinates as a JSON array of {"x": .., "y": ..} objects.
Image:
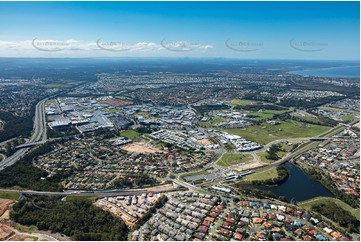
[{"x": 255, "y": 30}]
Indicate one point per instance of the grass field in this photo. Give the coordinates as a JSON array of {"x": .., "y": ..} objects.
[
  {"x": 266, "y": 114},
  {"x": 309, "y": 203},
  {"x": 263, "y": 175},
  {"x": 265, "y": 133},
  {"x": 331, "y": 109},
  {"x": 232, "y": 159},
  {"x": 12, "y": 196},
  {"x": 130, "y": 134},
  {"x": 243, "y": 102},
  {"x": 217, "y": 120}
]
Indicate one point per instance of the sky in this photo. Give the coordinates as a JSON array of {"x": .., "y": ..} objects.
[{"x": 246, "y": 30}]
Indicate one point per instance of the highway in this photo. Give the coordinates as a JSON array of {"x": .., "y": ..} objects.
[
  {"x": 39, "y": 135},
  {"x": 129, "y": 192}
]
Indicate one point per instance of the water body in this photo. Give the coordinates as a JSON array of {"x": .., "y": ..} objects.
[
  {"x": 339, "y": 72},
  {"x": 298, "y": 186}
]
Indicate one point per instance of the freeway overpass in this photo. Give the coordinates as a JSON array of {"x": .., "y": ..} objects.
[
  {"x": 38, "y": 136},
  {"x": 30, "y": 144}
]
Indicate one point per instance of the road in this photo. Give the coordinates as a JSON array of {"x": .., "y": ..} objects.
[
  {"x": 39, "y": 135},
  {"x": 129, "y": 192}
]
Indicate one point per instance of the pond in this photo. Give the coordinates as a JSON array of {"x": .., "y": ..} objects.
[{"x": 298, "y": 186}]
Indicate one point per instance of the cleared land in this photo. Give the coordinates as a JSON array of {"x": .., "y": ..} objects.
[
  {"x": 130, "y": 134},
  {"x": 139, "y": 147},
  {"x": 309, "y": 203},
  {"x": 263, "y": 175},
  {"x": 233, "y": 159},
  {"x": 265, "y": 133}
]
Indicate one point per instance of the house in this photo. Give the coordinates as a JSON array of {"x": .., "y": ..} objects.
[
  {"x": 257, "y": 220},
  {"x": 320, "y": 237},
  {"x": 226, "y": 225},
  {"x": 307, "y": 238},
  {"x": 261, "y": 236},
  {"x": 210, "y": 219},
  {"x": 203, "y": 229},
  {"x": 225, "y": 231},
  {"x": 280, "y": 217},
  {"x": 238, "y": 236},
  {"x": 206, "y": 223},
  {"x": 336, "y": 234},
  {"x": 266, "y": 225}
]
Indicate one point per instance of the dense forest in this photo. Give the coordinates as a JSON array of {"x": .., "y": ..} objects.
[
  {"x": 344, "y": 218},
  {"x": 25, "y": 175},
  {"x": 80, "y": 220},
  {"x": 15, "y": 126}
]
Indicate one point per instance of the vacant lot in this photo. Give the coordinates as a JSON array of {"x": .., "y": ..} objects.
[
  {"x": 243, "y": 102},
  {"x": 263, "y": 175},
  {"x": 233, "y": 159},
  {"x": 265, "y": 133},
  {"x": 139, "y": 147}
]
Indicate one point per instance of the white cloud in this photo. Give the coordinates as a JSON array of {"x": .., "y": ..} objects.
[{"x": 51, "y": 45}]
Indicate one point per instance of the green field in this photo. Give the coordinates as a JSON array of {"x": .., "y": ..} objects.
[
  {"x": 266, "y": 114},
  {"x": 331, "y": 109},
  {"x": 263, "y": 175},
  {"x": 265, "y": 133},
  {"x": 130, "y": 134},
  {"x": 12, "y": 196},
  {"x": 232, "y": 159},
  {"x": 309, "y": 203},
  {"x": 217, "y": 120},
  {"x": 243, "y": 102}
]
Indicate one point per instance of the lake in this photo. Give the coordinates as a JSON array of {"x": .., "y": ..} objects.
[
  {"x": 298, "y": 186},
  {"x": 340, "y": 71}
]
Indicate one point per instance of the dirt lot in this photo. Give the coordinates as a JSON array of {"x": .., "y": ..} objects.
[
  {"x": 140, "y": 147},
  {"x": 204, "y": 142}
]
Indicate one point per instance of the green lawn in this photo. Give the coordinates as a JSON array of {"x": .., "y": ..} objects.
[
  {"x": 232, "y": 159},
  {"x": 130, "y": 134},
  {"x": 309, "y": 203},
  {"x": 265, "y": 133},
  {"x": 217, "y": 120},
  {"x": 243, "y": 102},
  {"x": 12, "y": 196},
  {"x": 266, "y": 114},
  {"x": 263, "y": 175},
  {"x": 331, "y": 109}
]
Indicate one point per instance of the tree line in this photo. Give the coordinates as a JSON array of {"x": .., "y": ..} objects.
[{"x": 80, "y": 219}]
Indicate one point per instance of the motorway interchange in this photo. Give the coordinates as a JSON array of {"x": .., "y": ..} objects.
[{"x": 38, "y": 136}]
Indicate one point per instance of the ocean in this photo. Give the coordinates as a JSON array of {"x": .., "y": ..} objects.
[{"x": 340, "y": 71}]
